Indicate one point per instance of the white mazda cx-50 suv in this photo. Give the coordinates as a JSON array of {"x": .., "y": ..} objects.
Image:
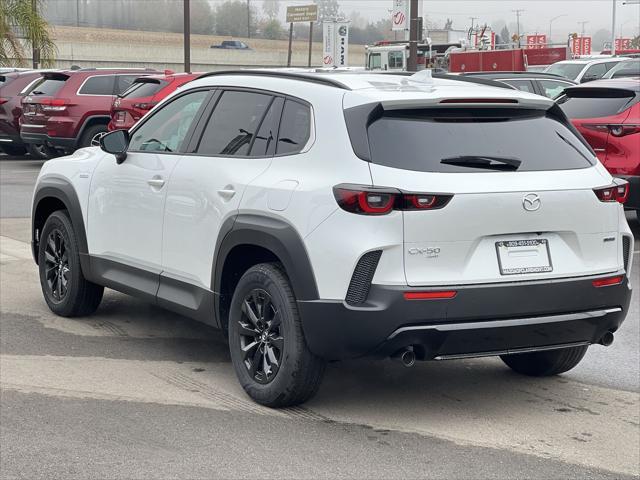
[{"x": 323, "y": 216}]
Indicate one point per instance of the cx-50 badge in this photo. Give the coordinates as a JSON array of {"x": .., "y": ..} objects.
[
  {"x": 428, "y": 252},
  {"x": 531, "y": 202}
]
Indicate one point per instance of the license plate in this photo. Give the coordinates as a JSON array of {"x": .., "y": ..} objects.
[{"x": 517, "y": 257}]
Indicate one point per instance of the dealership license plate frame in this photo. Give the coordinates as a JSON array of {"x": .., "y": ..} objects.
[{"x": 503, "y": 248}]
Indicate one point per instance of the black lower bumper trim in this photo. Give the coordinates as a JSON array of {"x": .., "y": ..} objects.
[
  {"x": 43, "y": 138},
  {"x": 481, "y": 318}
]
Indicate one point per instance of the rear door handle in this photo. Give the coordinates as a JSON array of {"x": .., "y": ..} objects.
[
  {"x": 227, "y": 192},
  {"x": 156, "y": 182}
]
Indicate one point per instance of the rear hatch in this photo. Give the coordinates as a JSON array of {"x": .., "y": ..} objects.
[
  {"x": 523, "y": 205},
  {"x": 42, "y": 101},
  {"x": 136, "y": 101},
  {"x": 598, "y": 112}
]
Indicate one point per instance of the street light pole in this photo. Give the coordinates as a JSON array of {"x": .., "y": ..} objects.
[
  {"x": 551, "y": 22},
  {"x": 248, "y": 19},
  {"x": 518, "y": 12},
  {"x": 613, "y": 30},
  {"x": 583, "y": 23},
  {"x": 187, "y": 37},
  {"x": 412, "y": 63}
]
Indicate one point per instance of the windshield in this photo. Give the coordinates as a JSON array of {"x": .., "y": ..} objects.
[
  {"x": 567, "y": 70},
  {"x": 437, "y": 141}
]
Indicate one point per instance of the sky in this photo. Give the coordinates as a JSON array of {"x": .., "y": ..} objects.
[{"x": 536, "y": 14}]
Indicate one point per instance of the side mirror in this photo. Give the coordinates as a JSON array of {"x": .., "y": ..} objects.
[{"x": 116, "y": 143}]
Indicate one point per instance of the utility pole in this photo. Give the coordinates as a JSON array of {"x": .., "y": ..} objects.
[
  {"x": 473, "y": 19},
  {"x": 518, "y": 12},
  {"x": 248, "y": 19},
  {"x": 583, "y": 23},
  {"x": 613, "y": 29},
  {"x": 414, "y": 24},
  {"x": 187, "y": 37}
]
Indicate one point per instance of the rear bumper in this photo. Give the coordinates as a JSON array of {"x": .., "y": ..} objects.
[
  {"x": 633, "y": 202},
  {"x": 479, "y": 320},
  {"x": 10, "y": 139},
  {"x": 43, "y": 138}
]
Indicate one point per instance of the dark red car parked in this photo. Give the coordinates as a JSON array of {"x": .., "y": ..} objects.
[
  {"x": 70, "y": 109},
  {"x": 607, "y": 113},
  {"x": 13, "y": 86},
  {"x": 143, "y": 94}
]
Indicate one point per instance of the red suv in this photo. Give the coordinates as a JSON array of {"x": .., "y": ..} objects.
[
  {"x": 143, "y": 94},
  {"x": 13, "y": 86},
  {"x": 69, "y": 109},
  {"x": 607, "y": 113}
]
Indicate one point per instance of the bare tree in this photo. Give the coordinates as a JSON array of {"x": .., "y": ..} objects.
[{"x": 271, "y": 8}]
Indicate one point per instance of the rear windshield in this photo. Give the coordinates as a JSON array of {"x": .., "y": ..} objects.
[
  {"x": 630, "y": 70},
  {"x": 567, "y": 70},
  {"x": 143, "y": 89},
  {"x": 46, "y": 86},
  {"x": 594, "y": 103},
  {"x": 460, "y": 141}
]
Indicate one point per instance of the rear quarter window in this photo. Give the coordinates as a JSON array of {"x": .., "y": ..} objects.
[
  {"x": 46, "y": 86},
  {"x": 424, "y": 140},
  {"x": 144, "y": 89},
  {"x": 595, "y": 103},
  {"x": 98, "y": 85}
]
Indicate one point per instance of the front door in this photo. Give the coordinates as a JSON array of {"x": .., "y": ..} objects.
[{"x": 126, "y": 202}]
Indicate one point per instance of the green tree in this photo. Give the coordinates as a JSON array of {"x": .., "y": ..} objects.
[
  {"x": 505, "y": 36},
  {"x": 272, "y": 30},
  {"x": 231, "y": 19},
  {"x": 18, "y": 18}
]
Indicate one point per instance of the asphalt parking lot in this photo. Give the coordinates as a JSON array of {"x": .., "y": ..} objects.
[{"x": 134, "y": 391}]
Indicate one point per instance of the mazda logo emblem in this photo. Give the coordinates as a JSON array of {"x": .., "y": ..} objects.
[{"x": 531, "y": 202}]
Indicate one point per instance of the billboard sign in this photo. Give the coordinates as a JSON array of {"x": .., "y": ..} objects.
[
  {"x": 623, "y": 44},
  {"x": 400, "y": 15},
  {"x": 302, "y": 13},
  {"x": 536, "y": 41},
  {"x": 335, "y": 44},
  {"x": 581, "y": 46},
  {"x": 485, "y": 40}
]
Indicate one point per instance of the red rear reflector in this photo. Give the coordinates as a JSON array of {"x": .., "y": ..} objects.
[
  {"x": 479, "y": 100},
  {"x": 605, "y": 282},
  {"x": 432, "y": 295}
]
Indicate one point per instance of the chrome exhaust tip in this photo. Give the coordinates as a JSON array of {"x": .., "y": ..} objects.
[{"x": 406, "y": 356}]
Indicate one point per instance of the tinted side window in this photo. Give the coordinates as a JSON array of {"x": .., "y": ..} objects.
[
  {"x": 295, "y": 128},
  {"x": 594, "y": 72},
  {"x": 265, "y": 141},
  {"x": 167, "y": 128},
  {"x": 123, "y": 82},
  {"x": 524, "y": 85},
  {"x": 98, "y": 85},
  {"x": 233, "y": 123},
  {"x": 143, "y": 89}
]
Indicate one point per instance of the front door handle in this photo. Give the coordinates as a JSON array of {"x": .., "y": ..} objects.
[
  {"x": 227, "y": 192},
  {"x": 156, "y": 182}
]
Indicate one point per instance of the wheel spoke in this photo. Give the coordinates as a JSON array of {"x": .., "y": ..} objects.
[
  {"x": 59, "y": 285},
  {"x": 266, "y": 308},
  {"x": 275, "y": 321},
  {"x": 277, "y": 342},
  {"x": 247, "y": 331},
  {"x": 255, "y": 362},
  {"x": 248, "y": 348},
  {"x": 266, "y": 369},
  {"x": 48, "y": 257},
  {"x": 272, "y": 356},
  {"x": 51, "y": 243},
  {"x": 251, "y": 315}
]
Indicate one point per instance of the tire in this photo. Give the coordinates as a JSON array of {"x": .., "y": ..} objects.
[
  {"x": 296, "y": 374},
  {"x": 91, "y": 134},
  {"x": 40, "y": 151},
  {"x": 64, "y": 287},
  {"x": 13, "y": 150},
  {"x": 638, "y": 215},
  {"x": 545, "y": 364}
]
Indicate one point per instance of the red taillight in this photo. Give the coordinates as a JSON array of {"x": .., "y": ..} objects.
[
  {"x": 3, "y": 100},
  {"x": 430, "y": 295},
  {"x": 53, "y": 104},
  {"x": 479, "y": 100},
  {"x": 613, "y": 193},
  {"x": 606, "y": 282},
  {"x": 617, "y": 130},
  {"x": 145, "y": 106},
  {"x": 380, "y": 201}
]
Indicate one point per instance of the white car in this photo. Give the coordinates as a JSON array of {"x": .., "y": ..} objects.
[
  {"x": 325, "y": 216},
  {"x": 585, "y": 69}
]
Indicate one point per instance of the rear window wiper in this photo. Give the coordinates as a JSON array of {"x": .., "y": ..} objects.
[
  {"x": 483, "y": 161},
  {"x": 37, "y": 92}
]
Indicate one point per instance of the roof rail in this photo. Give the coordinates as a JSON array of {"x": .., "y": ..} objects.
[{"x": 289, "y": 75}]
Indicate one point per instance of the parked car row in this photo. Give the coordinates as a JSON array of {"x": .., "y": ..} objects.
[{"x": 48, "y": 113}]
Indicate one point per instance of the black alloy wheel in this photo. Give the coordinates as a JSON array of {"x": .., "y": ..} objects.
[
  {"x": 261, "y": 336},
  {"x": 57, "y": 269}
]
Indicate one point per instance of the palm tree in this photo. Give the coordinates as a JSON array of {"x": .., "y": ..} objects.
[{"x": 22, "y": 19}]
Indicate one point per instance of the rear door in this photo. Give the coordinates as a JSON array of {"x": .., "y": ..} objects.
[
  {"x": 233, "y": 145},
  {"x": 34, "y": 116},
  {"x": 523, "y": 206}
]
